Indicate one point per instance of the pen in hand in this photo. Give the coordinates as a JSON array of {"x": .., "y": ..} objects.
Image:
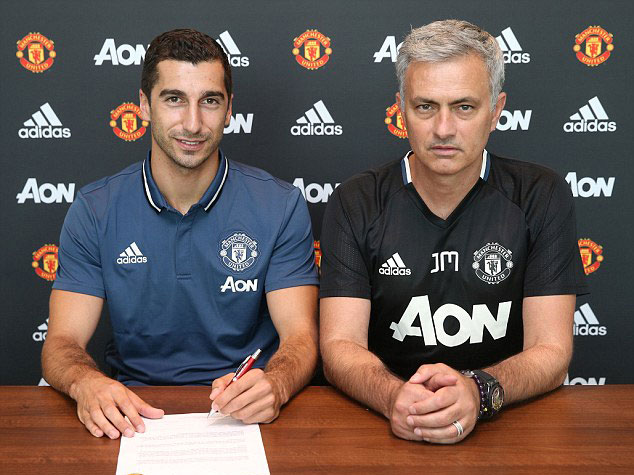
[{"x": 241, "y": 371}]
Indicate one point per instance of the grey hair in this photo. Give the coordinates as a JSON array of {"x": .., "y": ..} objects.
[{"x": 446, "y": 39}]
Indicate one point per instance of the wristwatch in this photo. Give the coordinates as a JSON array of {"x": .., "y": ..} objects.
[{"x": 491, "y": 393}]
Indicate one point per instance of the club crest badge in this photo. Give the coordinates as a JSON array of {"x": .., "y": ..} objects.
[
  {"x": 394, "y": 121},
  {"x": 312, "y": 49},
  {"x": 588, "y": 248},
  {"x": 36, "y": 52},
  {"x": 238, "y": 252},
  {"x": 46, "y": 261},
  {"x": 128, "y": 115},
  {"x": 594, "y": 38},
  {"x": 492, "y": 263}
]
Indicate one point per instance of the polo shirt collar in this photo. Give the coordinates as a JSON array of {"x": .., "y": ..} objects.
[
  {"x": 158, "y": 201},
  {"x": 407, "y": 174}
]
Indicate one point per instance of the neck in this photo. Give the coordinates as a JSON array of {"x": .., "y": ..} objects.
[
  {"x": 443, "y": 193},
  {"x": 183, "y": 187}
]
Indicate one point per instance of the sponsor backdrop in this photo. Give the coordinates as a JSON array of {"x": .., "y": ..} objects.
[{"x": 314, "y": 104}]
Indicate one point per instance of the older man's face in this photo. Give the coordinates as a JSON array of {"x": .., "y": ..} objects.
[{"x": 448, "y": 114}]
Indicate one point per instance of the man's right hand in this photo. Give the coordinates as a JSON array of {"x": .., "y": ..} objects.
[
  {"x": 405, "y": 397},
  {"x": 103, "y": 404},
  {"x": 402, "y": 400}
]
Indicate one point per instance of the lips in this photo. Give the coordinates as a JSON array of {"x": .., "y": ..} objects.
[
  {"x": 444, "y": 150},
  {"x": 190, "y": 144}
]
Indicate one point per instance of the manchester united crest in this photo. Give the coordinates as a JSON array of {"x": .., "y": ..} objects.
[
  {"x": 318, "y": 254},
  {"x": 238, "y": 252},
  {"x": 589, "y": 46},
  {"x": 45, "y": 261},
  {"x": 591, "y": 255},
  {"x": 394, "y": 121},
  {"x": 492, "y": 263},
  {"x": 126, "y": 122},
  {"x": 312, "y": 49},
  {"x": 36, "y": 52}
]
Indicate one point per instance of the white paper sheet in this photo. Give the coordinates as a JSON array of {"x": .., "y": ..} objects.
[{"x": 193, "y": 444}]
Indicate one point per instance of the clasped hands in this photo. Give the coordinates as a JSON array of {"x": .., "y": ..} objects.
[{"x": 425, "y": 407}]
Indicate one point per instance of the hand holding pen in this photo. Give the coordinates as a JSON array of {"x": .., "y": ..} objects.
[{"x": 244, "y": 367}]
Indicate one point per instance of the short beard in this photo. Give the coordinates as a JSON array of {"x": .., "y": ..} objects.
[{"x": 177, "y": 157}]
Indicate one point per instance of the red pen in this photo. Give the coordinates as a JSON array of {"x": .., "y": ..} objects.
[{"x": 241, "y": 371}]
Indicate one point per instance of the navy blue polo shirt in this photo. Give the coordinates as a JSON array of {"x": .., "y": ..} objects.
[{"x": 186, "y": 293}]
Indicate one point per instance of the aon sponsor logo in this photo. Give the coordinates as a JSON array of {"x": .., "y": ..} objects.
[
  {"x": 123, "y": 54},
  {"x": 432, "y": 327},
  {"x": 240, "y": 122},
  {"x": 46, "y": 192},
  {"x": 314, "y": 192},
  {"x": 585, "y": 382},
  {"x": 514, "y": 120},
  {"x": 587, "y": 187},
  {"x": 389, "y": 49},
  {"x": 239, "y": 285}
]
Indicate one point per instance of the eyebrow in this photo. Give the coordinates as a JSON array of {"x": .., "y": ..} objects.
[
  {"x": 179, "y": 93},
  {"x": 452, "y": 103}
]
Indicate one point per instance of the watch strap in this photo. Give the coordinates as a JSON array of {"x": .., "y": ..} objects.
[{"x": 485, "y": 383}]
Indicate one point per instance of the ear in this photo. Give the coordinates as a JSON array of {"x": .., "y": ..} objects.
[
  {"x": 229, "y": 109},
  {"x": 398, "y": 101},
  {"x": 499, "y": 107},
  {"x": 145, "y": 106}
]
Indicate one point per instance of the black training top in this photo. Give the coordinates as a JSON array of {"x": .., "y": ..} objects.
[{"x": 450, "y": 290}]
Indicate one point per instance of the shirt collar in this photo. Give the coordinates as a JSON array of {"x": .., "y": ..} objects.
[
  {"x": 407, "y": 175},
  {"x": 157, "y": 200}
]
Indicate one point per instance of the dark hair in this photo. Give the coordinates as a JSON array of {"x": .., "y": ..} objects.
[{"x": 182, "y": 45}]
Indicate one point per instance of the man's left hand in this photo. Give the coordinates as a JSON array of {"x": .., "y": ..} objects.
[
  {"x": 433, "y": 417},
  {"x": 253, "y": 398}
]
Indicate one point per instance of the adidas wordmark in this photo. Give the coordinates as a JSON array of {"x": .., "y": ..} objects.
[
  {"x": 44, "y": 124},
  {"x": 132, "y": 255},
  {"x": 590, "y": 118},
  {"x": 511, "y": 49},
  {"x": 394, "y": 266},
  {"x": 316, "y": 121}
]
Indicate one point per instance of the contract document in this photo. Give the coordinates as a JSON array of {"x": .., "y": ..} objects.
[{"x": 193, "y": 444}]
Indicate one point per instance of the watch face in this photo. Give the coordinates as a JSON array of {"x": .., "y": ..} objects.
[{"x": 497, "y": 398}]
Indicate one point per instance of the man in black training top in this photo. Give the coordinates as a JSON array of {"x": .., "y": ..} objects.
[{"x": 448, "y": 276}]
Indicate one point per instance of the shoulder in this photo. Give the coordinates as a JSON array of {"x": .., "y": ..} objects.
[
  {"x": 99, "y": 194},
  {"x": 373, "y": 188},
  {"x": 106, "y": 185},
  {"x": 256, "y": 179},
  {"x": 526, "y": 183}
]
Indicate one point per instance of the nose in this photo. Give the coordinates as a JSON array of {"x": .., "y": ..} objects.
[
  {"x": 192, "y": 120},
  {"x": 444, "y": 124}
]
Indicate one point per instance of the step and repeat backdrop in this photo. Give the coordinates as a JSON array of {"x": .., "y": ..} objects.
[{"x": 314, "y": 104}]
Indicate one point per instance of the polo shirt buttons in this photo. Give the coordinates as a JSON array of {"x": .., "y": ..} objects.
[{"x": 183, "y": 244}]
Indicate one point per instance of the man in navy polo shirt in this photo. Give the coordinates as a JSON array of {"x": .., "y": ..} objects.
[{"x": 202, "y": 261}]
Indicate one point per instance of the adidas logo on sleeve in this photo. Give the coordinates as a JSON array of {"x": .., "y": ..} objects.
[
  {"x": 132, "y": 255},
  {"x": 316, "y": 121},
  {"x": 590, "y": 118},
  {"x": 511, "y": 49},
  {"x": 394, "y": 266},
  {"x": 44, "y": 124}
]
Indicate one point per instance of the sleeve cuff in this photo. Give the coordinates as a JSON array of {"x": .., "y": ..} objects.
[
  {"x": 287, "y": 283},
  {"x": 79, "y": 288}
]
